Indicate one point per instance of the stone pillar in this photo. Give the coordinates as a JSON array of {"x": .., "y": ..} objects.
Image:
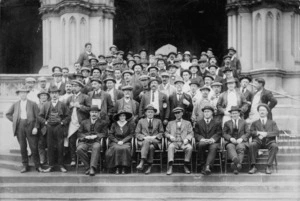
[{"x": 68, "y": 25}]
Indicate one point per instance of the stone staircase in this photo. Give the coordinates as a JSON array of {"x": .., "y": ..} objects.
[{"x": 283, "y": 185}]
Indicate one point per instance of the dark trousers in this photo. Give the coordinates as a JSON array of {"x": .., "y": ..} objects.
[
  {"x": 82, "y": 151},
  {"x": 24, "y": 134},
  {"x": 212, "y": 152},
  {"x": 72, "y": 146},
  {"x": 173, "y": 146},
  {"x": 42, "y": 143},
  {"x": 148, "y": 148},
  {"x": 55, "y": 139},
  {"x": 255, "y": 146},
  {"x": 236, "y": 151}
]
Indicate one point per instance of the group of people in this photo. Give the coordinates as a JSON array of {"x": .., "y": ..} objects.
[{"x": 178, "y": 97}]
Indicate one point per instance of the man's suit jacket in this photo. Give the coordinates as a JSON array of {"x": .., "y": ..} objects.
[
  {"x": 186, "y": 130},
  {"x": 187, "y": 114},
  {"x": 214, "y": 130},
  {"x": 85, "y": 103},
  {"x": 100, "y": 129},
  {"x": 243, "y": 130},
  {"x": 236, "y": 66},
  {"x": 84, "y": 58},
  {"x": 118, "y": 94},
  {"x": 268, "y": 98},
  {"x": 223, "y": 101},
  {"x": 106, "y": 103},
  {"x": 270, "y": 127},
  {"x": 32, "y": 110},
  {"x": 162, "y": 98},
  {"x": 120, "y": 106},
  {"x": 248, "y": 96},
  {"x": 63, "y": 112},
  {"x": 203, "y": 74},
  {"x": 142, "y": 129},
  {"x": 137, "y": 89},
  {"x": 62, "y": 88}
]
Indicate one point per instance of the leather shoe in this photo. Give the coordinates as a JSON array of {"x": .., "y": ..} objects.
[
  {"x": 92, "y": 171},
  {"x": 186, "y": 170},
  {"x": 24, "y": 169},
  {"x": 87, "y": 172},
  {"x": 62, "y": 169},
  {"x": 236, "y": 172},
  {"x": 268, "y": 170},
  {"x": 117, "y": 171},
  {"x": 49, "y": 169},
  {"x": 239, "y": 166},
  {"x": 234, "y": 164},
  {"x": 170, "y": 170},
  {"x": 206, "y": 170},
  {"x": 140, "y": 166},
  {"x": 123, "y": 170},
  {"x": 253, "y": 170},
  {"x": 73, "y": 163},
  {"x": 148, "y": 171},
  {"x": 39, "y": 169}
]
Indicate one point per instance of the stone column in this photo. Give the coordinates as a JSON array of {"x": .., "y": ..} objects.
[{"x": 68, "y": 25}]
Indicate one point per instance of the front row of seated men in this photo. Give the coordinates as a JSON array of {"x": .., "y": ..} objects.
[{"x": 27, "y": 119}]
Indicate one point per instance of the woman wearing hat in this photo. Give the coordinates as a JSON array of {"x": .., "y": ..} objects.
[{"x": 118, "y": 155}]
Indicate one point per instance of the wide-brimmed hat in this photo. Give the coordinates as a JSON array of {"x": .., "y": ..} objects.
[
  {"x": 42, "y": 79},
  {"x": 164, "y": 74},
  {"x": 172, "y": 66},
  {"x": 153, "y": 80},
  {"x": 113, "y": 46},
  {"x": 144, "y": 77},
  {"x": 127, "y": 71},
  {"x": 22, "y": 89},
  {"x": 128, "y": 115},
  {"x": 101, "y": 55},
  {"x": 53, "y": 68},
  {"x": 208, "y": 107},
  {"x": 148, "y": 69},
  {"x": 187, "y": 53},
  {"x": 234, "y": 108},
  {"x": 128, "y": 87},
  {"x": 54, "y": 89},
  {"x": 172, "y": 53},
  {"x": 186, "y": 70},
  {"x": 231, "y": 48},
  {"x": 109, "y": 69},
  {"x": 95, "y": 108},
  {"x": 263, "y": 105},
  {"x": 93, "y": 58},
  {"x": 202, "y": 61},
  {"x": 194, "y": 66},
  {"x": 177, "y": 109},
  {"x": 43, "y": 91},
  {"x": 195, "y": 81},
  {"x": 150, "y": 107},
  {"x": 78, "y": 75},
  {"x": 137, "y": 65},
  {"x": 96, "y": 69},
  {"x": 226, "y": 56},
  {"x": 179, "y": 79},
  {"x": 57, "y": 74},
  {"x": 109, "y": 79},
  {"x": 208, "y": 75},
  {"x": 30, "y": 79},
  {"x": 231, "y": 80},
  {"x": 120, "y": 52},
  {"x": 204, "y": 88},
  {"x": 78, "y": 83},
  {"x": 216, "y": 84},
  {"x": 245, "y": 77},
  {"x": 227, "y": 68},
  {"x": 85, "y": 68},
  {"x": 215, "y": 66},
  {"x": 143, "y": 50},
  {"x": 96, "y": 80},
  {"x": 137, "y": 55}
]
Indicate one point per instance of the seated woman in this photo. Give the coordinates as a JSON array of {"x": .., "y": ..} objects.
[{"x": 119, "y": 153}]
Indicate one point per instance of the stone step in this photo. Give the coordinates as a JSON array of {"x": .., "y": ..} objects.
[{"x": 216, "y": 196}]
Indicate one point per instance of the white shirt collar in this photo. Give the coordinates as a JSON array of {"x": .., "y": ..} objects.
[{"x": 265, "y": 119}]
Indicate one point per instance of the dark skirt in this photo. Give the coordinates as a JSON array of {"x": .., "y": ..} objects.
[{"x": 118, "y": 155}]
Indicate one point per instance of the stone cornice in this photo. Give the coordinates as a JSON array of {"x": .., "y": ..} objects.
[
  {"x": 273, "y": 72},
  {"x": 249, "y": 6},
  {"x": 71, "y": 6}
]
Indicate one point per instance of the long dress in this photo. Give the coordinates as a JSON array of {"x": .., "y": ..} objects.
[{"x": 119, "y": 155}]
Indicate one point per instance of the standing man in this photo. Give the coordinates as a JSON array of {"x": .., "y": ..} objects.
[
  {"x": 42, "y": 83},
  {"x": 181, "y": 99},
  {"x": 144, "y": 79},
  {"x": 69, "y": 92},
  {"x": 217, "y": 88},
  {"x": 202, "y": 102},
  {"x": 245, "y": 80},
  {"x": 264, "y": 132},
  {"x": 236, "y": 133},
  {"x": 235, "y": 62},
  {"x": 58, "y": 83},
  {"x": 158, "y": 100},
  {"x": 86, "y": 55},
  {"x": 202, "y": 63},
  {"x": 55, "y": 116},
  {"x": 24, "y": 116},
  {"x": 208, "y": 133},
  {"x": 165, "y": 87},
  {"x": 65, "y": 72},
  {"x": 114, "y": 93},
  {"x": 79, "y": 104},
  {"x": 32, "y": 95},
  {"x": 149, "y": 132},
  {"x": 118, "y": 78},
  {"x": 195, "y": 92},
  {"x": 179, "y": 134},
  {"x": 89, "y": 136}
]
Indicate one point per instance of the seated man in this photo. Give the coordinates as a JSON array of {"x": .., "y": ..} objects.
[
  {"x": 179, "y": 134},
  {"x": 236, "y": 134},
  {"x": 89, "y": 135},
  {"x": 149, "y": 133},
  {"x": 263, "y": 132},
  {"x": 208, "y": 133}
]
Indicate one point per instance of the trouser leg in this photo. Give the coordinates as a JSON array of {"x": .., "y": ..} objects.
[
  {"x": 82, "y": 151},
  {"x": 253, "y": 149},
  {"x": 231, "y": 151},
  {"x": 273, "y": 149},
  {"x": 72, "y": 145},
  {"x": 96, "y": 147},
  {"x": 21, "y": 136}
]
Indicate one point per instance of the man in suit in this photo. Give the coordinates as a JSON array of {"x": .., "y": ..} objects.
[
  {"x": 179, "y": 134},
  {"x": 90, "y": 132},
  {"x": 231, "y": 97},
  {"x": 261, "y": 96},
  {"x": 114, "y": 93},
  {"x": 174, "y": 72},
  {"x": 200, "y": 104},
  {"x": 217, "y": 88},
  {"x": 236, "y": 133},
  {"x": 128, "y": 104},
  {"x": 202, "y": 64},
  {"x": 79, "y": 105},
  {"x": 195, "y": 92},
  {"x": 208, "y": 133},
  {"x": 86, "y": 71},
  {"x": 57, "y": 81},
  {"x": 235, "y": 62},
  {"x": 181, "y": 99},
  {"x": 212, "y": 71},
  {"x": 158, "y": 100},
  {"x": 137, "y": 88},
  {"x": 86, "y": 55},
  {"x": 101, "y": 98},
  {"x": 144, "y": 79},
  {"x": 245, "y": 80},
  {"x": 24, "y": 116},
  {"x": 263, "y": 132},
  {"x": 165, "y": 87},
  {"x": 33, "y": 92},
  {"x": 194, "y": 68},
  {"x": 149, "y": 132},
  {"x": 55, "y": 115}
]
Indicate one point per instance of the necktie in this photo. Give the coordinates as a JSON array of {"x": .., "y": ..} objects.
[
  {"x": 207, "y": 123},
  {"x": 179, "y": 96},
  {"x": 150, "y": 123},
  {"x": 263, "y": 124},
  {"x": 152, "y": 97},
  {"x": 234, "y": 124}
]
